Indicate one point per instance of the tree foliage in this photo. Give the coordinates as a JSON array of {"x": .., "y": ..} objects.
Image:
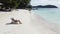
[{"x": 15, "y": 3}]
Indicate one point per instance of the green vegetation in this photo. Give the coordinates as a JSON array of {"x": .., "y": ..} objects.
[{"x": 16, "y": 4}]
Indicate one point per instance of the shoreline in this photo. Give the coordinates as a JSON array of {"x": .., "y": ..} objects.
[{"x": 40, "y": 22}]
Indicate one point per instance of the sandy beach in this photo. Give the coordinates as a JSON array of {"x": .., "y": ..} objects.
[{"x": 31, "y": 23}]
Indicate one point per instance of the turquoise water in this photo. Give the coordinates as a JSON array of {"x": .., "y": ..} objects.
[{"x": 49, "y": 14}]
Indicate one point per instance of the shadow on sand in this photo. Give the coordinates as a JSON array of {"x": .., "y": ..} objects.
[{"x": 11, "y": 24}]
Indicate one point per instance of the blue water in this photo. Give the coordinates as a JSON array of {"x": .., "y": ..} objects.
[{"x": 49, "y": 14}]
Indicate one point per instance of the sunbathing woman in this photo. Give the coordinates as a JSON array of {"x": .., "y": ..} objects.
[{"x": 15, "y": 21}]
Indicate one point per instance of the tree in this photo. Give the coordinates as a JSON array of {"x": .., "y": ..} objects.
[
  {"x": 15, "y": 3},
  {"x": 24, "y": 4}
]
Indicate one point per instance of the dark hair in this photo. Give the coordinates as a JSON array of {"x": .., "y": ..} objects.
[{"x": 12, "y": 18}]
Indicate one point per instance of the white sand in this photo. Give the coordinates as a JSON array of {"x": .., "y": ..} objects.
[{"x": 31, "y": 23}]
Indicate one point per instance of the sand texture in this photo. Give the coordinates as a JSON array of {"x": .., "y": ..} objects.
[{"x": 31, "y": 23}]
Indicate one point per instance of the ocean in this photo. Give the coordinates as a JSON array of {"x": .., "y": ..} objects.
[{"x": 49, "y": 14}]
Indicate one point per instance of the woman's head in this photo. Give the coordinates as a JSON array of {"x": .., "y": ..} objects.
[{"x": 12, "y": 18}]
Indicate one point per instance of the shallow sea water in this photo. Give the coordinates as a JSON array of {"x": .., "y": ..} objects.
[{"x": 49, "y": 14}]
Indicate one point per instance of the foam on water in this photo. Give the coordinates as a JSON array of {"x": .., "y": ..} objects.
[{"x": 49, "y": 14}]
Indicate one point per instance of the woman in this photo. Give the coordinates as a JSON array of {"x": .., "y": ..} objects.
[{"x": 15, "y": 21}]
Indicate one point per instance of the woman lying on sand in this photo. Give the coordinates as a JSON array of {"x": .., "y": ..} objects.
[{"x": 15, "y": 21}]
